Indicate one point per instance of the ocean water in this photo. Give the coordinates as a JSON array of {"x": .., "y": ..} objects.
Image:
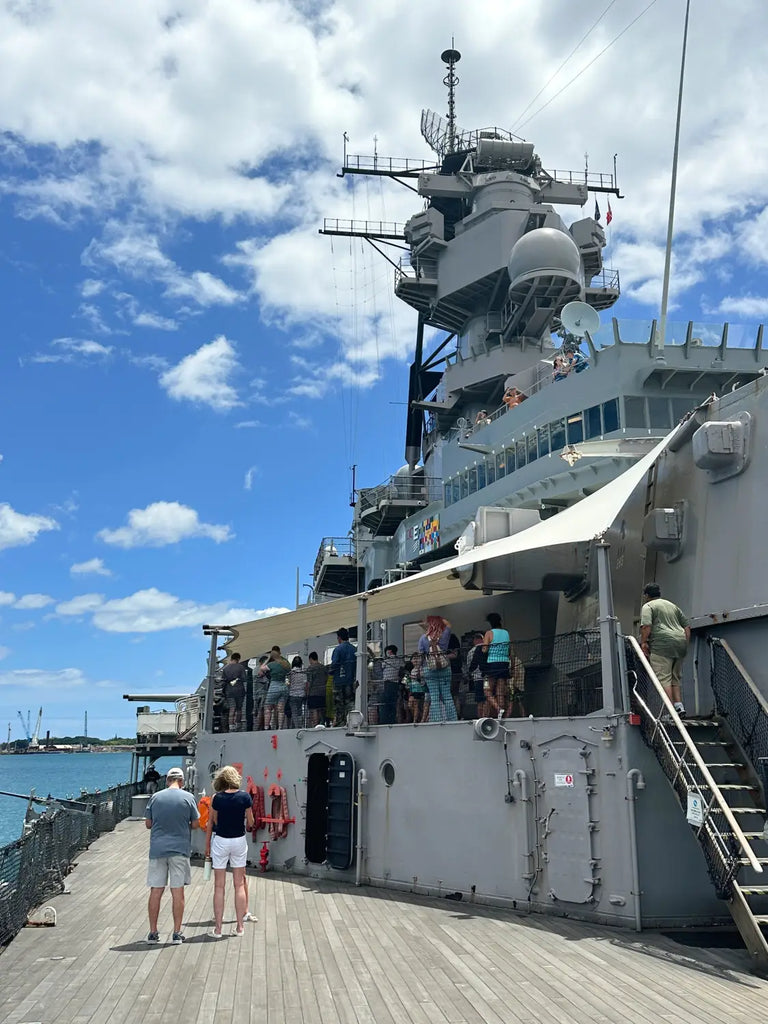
[{"x": 62, "y": 775}]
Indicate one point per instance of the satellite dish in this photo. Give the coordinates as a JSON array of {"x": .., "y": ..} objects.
[{"x": 579, "y": 318}]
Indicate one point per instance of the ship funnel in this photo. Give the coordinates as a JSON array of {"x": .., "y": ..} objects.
[{"x": 545, "y": 271}]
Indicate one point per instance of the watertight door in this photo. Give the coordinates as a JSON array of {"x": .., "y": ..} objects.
[
  {"x": 317, "y": 808},
  {"x": 342, "y": 793}
]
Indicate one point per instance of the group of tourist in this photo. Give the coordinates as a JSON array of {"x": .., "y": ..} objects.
[
  {"x": 171, "y": 815},
  {"x": 567, "y": 362}
]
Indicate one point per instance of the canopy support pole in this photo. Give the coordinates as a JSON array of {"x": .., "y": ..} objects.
[
  {"x": 361, "y": 693},
  {"x": 211, "y": 683},
  {"x": 609, "y": 648}
]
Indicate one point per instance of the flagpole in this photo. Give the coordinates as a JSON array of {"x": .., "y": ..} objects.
[{"x": 673, "y": 190}]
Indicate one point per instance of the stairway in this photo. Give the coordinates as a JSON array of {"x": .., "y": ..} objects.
[{"x": 700, "y": 756}]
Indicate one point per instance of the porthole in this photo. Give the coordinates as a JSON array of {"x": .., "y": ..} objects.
[{"x": 387, "y": 770}]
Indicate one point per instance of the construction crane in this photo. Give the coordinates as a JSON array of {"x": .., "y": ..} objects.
[
  {"x": 33, "y": 742},
  {"x": 25, "y": 726}
]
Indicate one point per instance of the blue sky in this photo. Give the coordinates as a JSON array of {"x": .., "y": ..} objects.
[{"x": 189, "y": 369}]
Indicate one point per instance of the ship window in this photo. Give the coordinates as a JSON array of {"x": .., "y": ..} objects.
[
  {"x": 501, "y": 464},
  {"x": 481, "y": 476},
  {"x": 557, "y": 435},
  {"x": 634, "y": 412},
  {"x": 456, "y": 489},
  {"x": 448, "y": 494},
  {"x": 681, "y": 407},
  {"x": 658, "y": 412},
  {"x": 575, "y": 429},
  {"x": 472, "y": 480},
  {"x": 543, "y": 433},
  {"x": 592, "y": 426},
  {"x": 611, "y": 415},
  {"x": 509, "y": 455},
  {"x": 464, "y": 485},
  {"x": 532, "y": 447},
  {"x": 490, "y": 468},
  {"x": 521, "y": 454}
]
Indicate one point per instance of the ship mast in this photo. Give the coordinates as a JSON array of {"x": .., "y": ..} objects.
[{"x": 451, "y": 58}]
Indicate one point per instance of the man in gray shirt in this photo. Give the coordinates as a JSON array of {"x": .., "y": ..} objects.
[{"x": 171, "y": 814}]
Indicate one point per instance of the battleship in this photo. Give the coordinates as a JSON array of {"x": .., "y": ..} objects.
[{"x": 556, "y": 460}]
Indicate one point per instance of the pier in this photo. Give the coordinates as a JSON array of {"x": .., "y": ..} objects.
[{"x": 321, "y": 953}]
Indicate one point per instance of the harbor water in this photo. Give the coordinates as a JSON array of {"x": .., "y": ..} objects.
[{"x": 58, "y": 775}]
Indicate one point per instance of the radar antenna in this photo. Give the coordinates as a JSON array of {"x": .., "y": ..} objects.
[{"x": 451, "y": 58}]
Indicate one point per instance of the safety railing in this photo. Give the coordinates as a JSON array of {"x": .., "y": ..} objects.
[
  {"x": 741, "y": 704},
  {"x": 415, "y": 268},
  {"x": 33, "y": 868},
  {"x": 417, "y": 489},
  {"x": 721, "y": 838},
  {"x": 364, "y": 228},
  {"x": 334, "y": 547},
  {"x": 388, "y": 164},
  {"x": 189, "y": 713}
]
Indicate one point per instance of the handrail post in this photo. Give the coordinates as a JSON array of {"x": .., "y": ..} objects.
[
  {"x": 609, "y": 662},
  {"x": 361, "y": 694}
]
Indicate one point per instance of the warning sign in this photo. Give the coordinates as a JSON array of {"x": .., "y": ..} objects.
[
  {"x": 564, "y": 780},
  {"x": 695, "y": 811}
]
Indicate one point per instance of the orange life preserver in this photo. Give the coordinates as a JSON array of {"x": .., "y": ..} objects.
[{"x": 204, "y": 807}]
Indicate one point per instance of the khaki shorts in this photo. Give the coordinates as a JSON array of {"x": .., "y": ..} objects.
[
  {"x": 173, "y": 871},
  {"x": 668, "y": 670}
]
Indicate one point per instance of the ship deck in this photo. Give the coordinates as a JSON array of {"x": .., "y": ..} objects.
[{"x": 324, "y": 953}]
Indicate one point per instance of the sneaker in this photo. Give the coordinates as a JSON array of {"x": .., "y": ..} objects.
[
  {"x": 153, "y": 937},
  {"x": 250, "y": 917},
  {"x": 239, "y": 932},
  {"x": 177, "y": 939},
  {"x": 216, "y": 935},
  {"x": 680, "y": 709}
]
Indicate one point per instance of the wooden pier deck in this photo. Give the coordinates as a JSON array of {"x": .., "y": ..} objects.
[{"x": 321, "y": 953}]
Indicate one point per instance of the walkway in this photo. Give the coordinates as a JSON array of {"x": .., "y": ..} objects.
[{"x": 320, "y": 953}]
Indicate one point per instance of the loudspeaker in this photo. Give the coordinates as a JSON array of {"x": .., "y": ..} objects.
[{"x": 487, "y": 728}]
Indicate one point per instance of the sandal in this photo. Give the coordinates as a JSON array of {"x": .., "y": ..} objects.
[{"x": 215, "y": 935}]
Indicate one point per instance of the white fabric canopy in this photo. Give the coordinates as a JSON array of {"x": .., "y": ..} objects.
[{"x": 438, "y": 587}]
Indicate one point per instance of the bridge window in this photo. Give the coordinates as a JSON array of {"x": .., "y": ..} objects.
[
  {"x": 532, "y": 447},
  {"x": 447, "y": 494},
  {"x": 509, "y": 458},
  {"x": 611, "y": 415},
  {"x": 472, "y": 480},
  {"x": 464, "y": 485},
  {"x": 634, "y": 411},
  {"x": 490, "y": 469},
  {"x": 481, "y": 476},
  {"x": 557, "y": 434},
  {"x": 501, "y": 465},
  {"x": 593, "y": 425},
  {"x": 658, "y": 412},
  {"x": 456, "y": 489},
  {"x": 521, "y": 454},
  {"x": 575, "y": 428},
  {"x": 543, "y": 433}
]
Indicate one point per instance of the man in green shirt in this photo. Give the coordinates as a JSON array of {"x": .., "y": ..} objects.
[{"x": 664, "y": 638}]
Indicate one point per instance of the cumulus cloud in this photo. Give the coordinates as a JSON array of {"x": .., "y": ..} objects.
[
  {"x": 94, "y": 566},
  {"x": 72, "y": 350},
  {"x": 18, "y": 529},
  {"x": 6, "y": 597},
  {"x": 29, "y": 601},
  {"x": 45, "y": 679},
  {"x": 155, "y": 322},
  {"x": 160, "y": 524},
  {"x": 204, "y": 376},
  {"x": 80, "y": 605}
]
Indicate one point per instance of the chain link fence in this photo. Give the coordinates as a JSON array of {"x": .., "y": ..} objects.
[{"x": 33, "y": 868}]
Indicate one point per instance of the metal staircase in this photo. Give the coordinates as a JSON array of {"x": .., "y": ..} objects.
[{"x": 719, "y": 789}]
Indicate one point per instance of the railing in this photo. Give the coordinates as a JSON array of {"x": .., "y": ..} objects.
[
  {"x": 189, "y": 713},
  {"x": 415, "y": 269},
  {"x": 742, "y": 705},
  {"x": 388, "y": 164},
  {"x": 33, "y": 868},
  {"x": 605, "y": 278},
  {"x": 334, "y": 547},
  {"x": 416, "y": 490},
  {"x": 364, "y": 228},
  {"x": 595, "y": 180},
  {"x": 720, "y": 836}
]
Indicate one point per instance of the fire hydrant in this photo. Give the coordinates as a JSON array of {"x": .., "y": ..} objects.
[{"x": 264, "y": 856}]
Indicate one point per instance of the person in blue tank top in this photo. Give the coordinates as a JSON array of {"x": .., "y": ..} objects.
[{"x": 497, "y": 647}]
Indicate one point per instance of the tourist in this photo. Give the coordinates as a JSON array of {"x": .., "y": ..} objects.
[
  {"x": 171, "y": 814},
  {"x": 343, "y": 666},
  {"x": 297, "y": 692},
  {"x": 664, "y": 638},
  {"x": 316, "y": 681},
  {"x": 513, "y": 397},
  {"x": 416, "y": 688},
  {"x": 261, "y": 678},
  {"x": 560, "y": 368},
  {"x": 482, "y": 419},
  {"x": 433, "y": 646},
  {"x": 577, "y": 361},
  {"x": 390, "y": 672},
  {"x": 497, "y": 647},
  {"x": 277, "y": 693},
  {"x": 233, "y": 676},
  {"x": 476, "y": 660},
  {"x": 226, "y": 844},
  {"x": 151, "y": 778}
]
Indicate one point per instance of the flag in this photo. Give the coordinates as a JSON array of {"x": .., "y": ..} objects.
[
  {"x": 609, "y": 215},
  {"x": 597, "y": 210}
]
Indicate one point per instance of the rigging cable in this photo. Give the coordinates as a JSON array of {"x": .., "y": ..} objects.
[
  {"x": 587, "y": 66},
  {"x": 554, "y": 76}
]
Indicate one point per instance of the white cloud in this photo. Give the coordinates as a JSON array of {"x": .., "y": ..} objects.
[
  {"x": 4, "y": 652},
  {"x": 29, "y": 601},
  {"x": 155, "y": 321},
  {"x": 250, "y": 473},
  {"x": 248, "y": 424},
  {"x": 71, "y": 349},
  {"x": 744, "y": 305},
  {"x": 296, "y": 420},
  {"x": 151, "y": 611},
  {"x": 162, "y": 523},
  {"x": 18, "y": 529},
  {"x": 45, "y": 679},
  {"x": 90, "y": 287},
  {"x": 204, "y": 376},
  {"x": 6, "y": 597},
  {"x": 93, "y": 566},
  {"x": 80, "y": 605}
]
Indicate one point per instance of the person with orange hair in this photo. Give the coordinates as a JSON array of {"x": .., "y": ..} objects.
[{"x": 436, "y": 668}]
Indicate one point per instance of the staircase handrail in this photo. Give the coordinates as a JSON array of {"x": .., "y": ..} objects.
[{"x": 695, "y": 756}]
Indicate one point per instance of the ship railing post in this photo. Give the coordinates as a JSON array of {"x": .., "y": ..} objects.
[
  {"x": 361, "y": 693},
  {"x": 614, "y": 695},
  {"x": 210, "y": 684}
]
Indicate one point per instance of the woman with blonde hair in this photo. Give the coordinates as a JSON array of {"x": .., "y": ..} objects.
[{"x": 229, "y": 815}]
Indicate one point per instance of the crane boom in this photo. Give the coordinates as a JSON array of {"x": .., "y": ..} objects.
[
  {"x": 24, "y": 726},
  {"x": 34, "y": 739}
]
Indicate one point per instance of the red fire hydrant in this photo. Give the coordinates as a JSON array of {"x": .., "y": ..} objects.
[{"x": 264, "y": 856}]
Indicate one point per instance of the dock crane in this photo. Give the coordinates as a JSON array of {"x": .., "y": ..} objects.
[
  {"x": 32, "y": 737},
  {"x": 25, "y": 726}
]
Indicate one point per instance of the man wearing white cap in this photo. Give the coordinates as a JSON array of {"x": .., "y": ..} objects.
[{"x": 171, "y": 814}]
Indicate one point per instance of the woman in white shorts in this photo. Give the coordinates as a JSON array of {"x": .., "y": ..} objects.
[{"x": 226, "y": 844}]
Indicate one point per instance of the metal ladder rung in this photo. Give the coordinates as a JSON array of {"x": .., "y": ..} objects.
[
  {"x": 752, "y": 835},
  {"x": 761, "y": 918},
  {"x": 705, "y": 743},
  {"x": 735, "y": 786},
  {"x": 747, "y": 810},
  {"x": 760, "y": 860},
  {"x": 724, "y": 764}
]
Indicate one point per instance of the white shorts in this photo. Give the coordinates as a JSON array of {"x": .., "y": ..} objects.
[
  {"x": 228, "y": 851},
  {"x": 173, "y": 871}
]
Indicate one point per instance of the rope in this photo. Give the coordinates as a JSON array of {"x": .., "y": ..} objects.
[{"x": 278, "y": 829}]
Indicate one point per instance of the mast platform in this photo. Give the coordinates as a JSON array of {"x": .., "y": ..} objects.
[{"x": 327, "y": 953}]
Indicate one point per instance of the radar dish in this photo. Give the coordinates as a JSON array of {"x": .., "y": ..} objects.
[
  {"x": 579, "y": 318},
  {"x": 450, "y": 56}
]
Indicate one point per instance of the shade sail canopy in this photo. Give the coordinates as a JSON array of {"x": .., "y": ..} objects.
[{"x": 437, "y": 588}]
